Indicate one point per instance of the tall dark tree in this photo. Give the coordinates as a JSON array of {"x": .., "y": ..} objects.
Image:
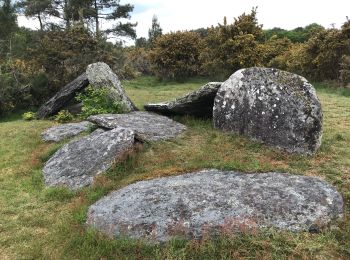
[
  {"x": 40, "y": 9},
  {"x": 112, "y": 10},
  {"x": 155, "y": 31},
  {"x": 8, "y": 19}
]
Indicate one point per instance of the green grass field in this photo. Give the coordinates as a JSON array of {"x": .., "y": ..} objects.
[{"x": 41, "y": 223}]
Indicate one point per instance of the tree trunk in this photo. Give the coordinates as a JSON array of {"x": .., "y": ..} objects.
[
  {"x": 97, "y": 23},
  {"x": 40, "y": 22}
]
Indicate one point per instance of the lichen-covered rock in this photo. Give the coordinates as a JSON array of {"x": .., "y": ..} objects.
[
  {"x": 276, "y": 107},
  {"x": 97, "y": 75},
  {"x": 100, "y": 75},
  {"x": 63, "y": 97},
  {"x": 76, "y": 163},
  {"x": 212, "y": 201},
  {"x": 60, "y": 132},
  {"x": 148, "y": 126},
  {"x": 198, "y": 103}
]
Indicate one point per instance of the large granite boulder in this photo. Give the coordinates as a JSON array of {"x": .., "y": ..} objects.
[
  {"x": 198, "y": 103},
  {"x": 97, "y": 75},
  {"x": 276, "y": 107},
  {"x": 76, "y": 163},
  {"x": 63, "y": 97},
  {"x": 61, "y": 132},
  {"x": 148, "y": 126},
  {"x": 212, "y": 201},
  {"x": 100, "y": 75}
]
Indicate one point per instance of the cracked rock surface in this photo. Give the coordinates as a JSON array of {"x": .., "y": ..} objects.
[
  {"x": 148, "y": 126},
  {"x": 198, "y": 103},
  {"x": 213, "y": 201},
  {"x": 276, "y": 107},
  {"x": 77, "y": 162},
  {"x": 61, "y": 132}
]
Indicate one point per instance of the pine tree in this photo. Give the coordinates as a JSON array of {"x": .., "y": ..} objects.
[
  {"x": 112, "y": 10},
  {"x": 155, "y": 30},
  {"x": 8, "y": 19},
  {"x": 39, "y": 9}
]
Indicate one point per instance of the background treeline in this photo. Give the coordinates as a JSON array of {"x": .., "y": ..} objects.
[{"x": 34, "y": 64}]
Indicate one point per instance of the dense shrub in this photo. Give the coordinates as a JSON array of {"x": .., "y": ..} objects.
[
  {"x": 176, "y": 55},
  {"x": 229, "y": 47},
  {"x": 63, "y": 116},
  {"x": 345, "y": 70},
  {"x": 97, "y": 101},
  {"x": 138, "y": 59}
]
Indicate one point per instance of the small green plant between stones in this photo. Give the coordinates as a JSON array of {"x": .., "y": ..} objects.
[
  {"x": 64, "y": 116},
  {"x": 98, "y": 101},
  {"x": 28, "y": 116}
]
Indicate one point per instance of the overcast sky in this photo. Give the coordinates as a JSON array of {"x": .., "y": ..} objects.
[{"x": 188, "y": 14}]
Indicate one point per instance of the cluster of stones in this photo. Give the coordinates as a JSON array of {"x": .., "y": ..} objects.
[{"x": 278, "y": 108}]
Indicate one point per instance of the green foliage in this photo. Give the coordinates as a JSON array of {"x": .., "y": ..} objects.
[
  {"x": 138, "y": 59},
  {"x": 176, "y": 55},
  {"x": 297, "y": 35},
  {"x": 8, "y": 20},
  {"x": 345, "y": 70},
  {"x": 155, "y": 31},
  {"x": 98, "y": 101},
  {"x": 28, "y": 116},
  {"x": 63, "y": 116},
  {"x": 229, "y": 47}
]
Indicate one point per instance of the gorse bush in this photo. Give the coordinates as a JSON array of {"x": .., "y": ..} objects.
[
  {"x": 63, "y": 116},
  {"x": 176, "y": 55},
  {"x": 98, "y": 101}
]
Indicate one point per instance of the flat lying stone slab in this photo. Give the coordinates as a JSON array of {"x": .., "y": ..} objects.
[
  {"x": 198, "y": 103},
  {"x": 148, "y": 126},
  {"x": 276, "y": 107},
  {"x": 213, "y": 201},
  {"x": 61, "y": 132},
  {"x": 77, "y": 162}
]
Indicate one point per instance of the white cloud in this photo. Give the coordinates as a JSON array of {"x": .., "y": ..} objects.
[{"x": 187, "y": 14}]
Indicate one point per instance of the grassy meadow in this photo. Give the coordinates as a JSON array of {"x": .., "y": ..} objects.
[{"x": 41, "y": 223}]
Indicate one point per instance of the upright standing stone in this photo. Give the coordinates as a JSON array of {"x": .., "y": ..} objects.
[
  {"x": 100, "y": 75},
  {"x": 276, "y": 107}
]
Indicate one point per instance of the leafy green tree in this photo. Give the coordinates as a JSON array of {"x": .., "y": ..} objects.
[
  {"x": 176, "y": 55},
  {"x": 155, "y": 31}
]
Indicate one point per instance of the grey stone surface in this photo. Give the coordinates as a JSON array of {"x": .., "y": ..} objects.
[
  {"x": 63, "y": 97},
  {"x": 213, "y": 201},
  {"x": 97, "y": 75},
  {"x": 276, "y": 107},
  {"x": 100, "y": 75},
  {"x": 198, "y": 103},
  {"x": 148, "y": 126},
  {"x": 60, "y": 132},
  {"x": 76, "y": 163}
]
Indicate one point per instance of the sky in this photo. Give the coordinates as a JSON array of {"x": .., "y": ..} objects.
[{"x": 176, "y": 15}]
